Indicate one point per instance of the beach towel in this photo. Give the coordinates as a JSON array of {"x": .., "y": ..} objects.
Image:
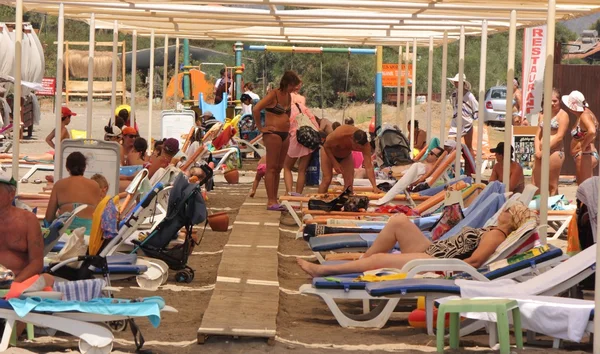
[
  {"x": 80, "y": 290},
  {"x": 415, "y": 171}
]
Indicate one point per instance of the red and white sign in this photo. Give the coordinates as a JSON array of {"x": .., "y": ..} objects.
[
  {"x": 48, "y": 87},
  {"x": 534, "y": 63}
]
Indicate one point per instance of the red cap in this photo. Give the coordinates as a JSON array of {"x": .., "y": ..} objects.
[{"x": 66, "y": 112}]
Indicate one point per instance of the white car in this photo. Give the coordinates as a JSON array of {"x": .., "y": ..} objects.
[{"x": 494, "y": 111}]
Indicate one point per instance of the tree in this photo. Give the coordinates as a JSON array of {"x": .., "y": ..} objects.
[{"x": 596, "y": 26}]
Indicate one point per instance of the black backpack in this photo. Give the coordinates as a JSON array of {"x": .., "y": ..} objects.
[{"x": 394, "y": 147}]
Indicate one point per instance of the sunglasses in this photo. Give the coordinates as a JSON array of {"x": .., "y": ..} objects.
[{"x": 434, "y": 154}]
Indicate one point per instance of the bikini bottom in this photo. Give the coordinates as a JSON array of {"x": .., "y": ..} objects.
[{"x": 282, "y": 135}]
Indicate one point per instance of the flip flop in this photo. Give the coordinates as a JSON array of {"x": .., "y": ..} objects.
[
  {"x": 37, "y": 181},
  {"x": 24, "y": 180},
  {"x": 294, "y": 194},
  {"x": 276, "y": 207}
]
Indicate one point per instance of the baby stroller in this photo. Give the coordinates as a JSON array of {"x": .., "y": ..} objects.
[
  {"x": 247, "y": 128},
  {"x": 186, "y": 208},
  {"x": 393, "y": 148}
]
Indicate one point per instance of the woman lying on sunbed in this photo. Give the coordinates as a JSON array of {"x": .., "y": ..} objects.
[{"x": 474, "y": 246}]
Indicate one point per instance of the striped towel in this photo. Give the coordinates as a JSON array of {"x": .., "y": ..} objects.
[{"x": 80, "y": 290}]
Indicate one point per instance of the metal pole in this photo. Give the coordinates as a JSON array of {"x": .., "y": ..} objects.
[
  {"x": 176, "y": 83},
  {"x": 459, "y": 100},
  {"x": 18, "y": 87},
  {"x": 59, "y": 87},
  {"x": 482, "y": 69},
  {"x": 151, "y": 87},
  {"x": 429, "y": 87},
  {"x": 545, "y": 183},
  {"x": 90, "y": 98},
  {"x": 113, "y": 95},
  {"x": 413, "y": 97},
  {"x": 133, "y": 76},
  {"x": 398, "y": 88},
  {"x": 239, "y": 50},
  {"x": 378, "y": 87},
  {"x": 444, "y": 84},
  {"x": 165, "y": 72},
  {"x": 406, "y": 87},
  {"x": 186, "y": 62},
  {"x": 510, "y": 75}
]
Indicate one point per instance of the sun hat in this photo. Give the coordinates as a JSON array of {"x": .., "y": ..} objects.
[
  {"x": 116, "y": 131},
  {"x": 456, "y": 78},
  {"x": 575, "y": 101},
  {"x": 129, "y": 131},
  {"x": 66, "y": 112},
  {"x": 6, "y": 177},
  {"x": 171, "y": 146}
]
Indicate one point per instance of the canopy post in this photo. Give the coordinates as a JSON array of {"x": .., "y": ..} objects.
[
  {"x": 90, "y": 98},
  {"x": 113, "y": 94},
  {"x": 547, "y": 109},
  {"x": 444, "y": 85},
  {"x": 482, "y": 72},
  {"x": 165, "y": 72},
  {"x": 133, "y": 76},
  {"x": 413, "y": 97},
  {"x": 429, "y": 87},
  {"x": 378, "y": 87},
  {"x": 18, "y": 88},
  {"x": 59, "y": 88},
  {"x": 186, "y": 77},
  {"x": 510, "y": 76},
  {"x": 151, "y": 87},
  {"x": 406, "y": 87},
  {"x": 239, "y": 51},
  {"x": 398, "y": 88},
  {"x": 459, "y": 101},
  {"x": 176, "y": 78}
]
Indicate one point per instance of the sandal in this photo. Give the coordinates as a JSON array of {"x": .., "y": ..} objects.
[
  {"x": 24, "y": 180},
  {"x": 276, "y": 207},
  {"x": 37, "y": 181}
]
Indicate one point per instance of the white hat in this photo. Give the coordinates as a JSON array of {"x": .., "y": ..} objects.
[
  {"x": 456, "y": 78},
  {"x": 450, "y": 143},
  {"x": 575, "y": 101},
  {"x": 116, "y": 131}
]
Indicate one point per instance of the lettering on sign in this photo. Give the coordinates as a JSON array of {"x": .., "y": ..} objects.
[{"x": 389, "y": 74}]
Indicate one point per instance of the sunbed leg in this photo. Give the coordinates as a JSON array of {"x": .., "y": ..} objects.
[
  {"x": 292, "y": 212},
  {"x": 8, "y": 333},
  {"x": 556, "y": 343},
  {"x": 492, "y": 329},
  {"x": 366, "y": 305},
  {"x": 429, "y": 314}
]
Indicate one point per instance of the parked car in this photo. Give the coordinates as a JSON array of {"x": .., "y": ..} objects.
[{"x": 495, "y": 106}]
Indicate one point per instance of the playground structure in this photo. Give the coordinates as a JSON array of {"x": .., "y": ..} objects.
[{"x": 76, "y": 67}]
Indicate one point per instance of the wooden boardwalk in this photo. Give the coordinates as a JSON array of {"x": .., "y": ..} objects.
[{"x": 245, "y": 300}]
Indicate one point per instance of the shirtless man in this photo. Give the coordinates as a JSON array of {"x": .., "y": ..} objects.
[
  {"x": 21, "y": 241},
  {"x": 338, "y": 149}
]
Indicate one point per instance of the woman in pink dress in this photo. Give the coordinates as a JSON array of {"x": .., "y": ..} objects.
[{"x": 296, "y": 151}]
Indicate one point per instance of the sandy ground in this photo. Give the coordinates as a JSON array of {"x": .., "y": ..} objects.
[{"x": 304, "y": 324}]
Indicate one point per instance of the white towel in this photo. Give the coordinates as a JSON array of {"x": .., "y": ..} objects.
[
  {"x": 556, "y": 317},
  {"x": 415, "y": 171}
]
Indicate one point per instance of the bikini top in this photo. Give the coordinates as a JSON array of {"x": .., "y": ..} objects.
[
  {"x": 578, "y": 133},
  {"x": 278, "y": 109},
  {"x": 553, "y": 124}
]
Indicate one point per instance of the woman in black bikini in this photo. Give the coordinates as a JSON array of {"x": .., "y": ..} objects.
[
  {"x": 278, "y": 106},
  {"x": 474, "y": 246}
]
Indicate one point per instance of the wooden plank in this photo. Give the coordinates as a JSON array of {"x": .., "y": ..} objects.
[{"x": 245, "y": 300}]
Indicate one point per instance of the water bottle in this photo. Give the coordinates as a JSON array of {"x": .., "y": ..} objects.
[{"x": 313, "y": 171}]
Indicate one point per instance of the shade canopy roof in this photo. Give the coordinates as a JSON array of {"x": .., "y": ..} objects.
[{"x": 340, "y": 22}]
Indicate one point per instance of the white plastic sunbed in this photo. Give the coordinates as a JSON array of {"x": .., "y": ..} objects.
[{"x": 378, "y": 317}]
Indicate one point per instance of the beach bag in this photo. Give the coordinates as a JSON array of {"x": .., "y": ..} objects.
[
  {"x": 356, "y": 203},
  {"x": 451, "y": 216},
  {"x": 308, "y": 137}
]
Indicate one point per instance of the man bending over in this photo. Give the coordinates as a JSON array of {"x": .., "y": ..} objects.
[
  {"x": 338, "y": 149},
  {"x": 21, "y": 241}
]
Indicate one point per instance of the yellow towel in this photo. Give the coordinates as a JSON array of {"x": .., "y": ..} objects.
[
  {"x": 373, "y": 278},
  {"x": 96, "y": 233}
]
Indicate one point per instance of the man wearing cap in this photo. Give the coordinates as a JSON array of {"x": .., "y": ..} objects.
[
  {"x": 517, "y": 179},
  {"x": 468, "y": 110},
  {"x": 21, "y": 241},
  {"x": 129, "y": 136}
]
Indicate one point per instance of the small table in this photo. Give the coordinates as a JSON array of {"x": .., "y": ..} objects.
[{"x": 500, "y": 307}]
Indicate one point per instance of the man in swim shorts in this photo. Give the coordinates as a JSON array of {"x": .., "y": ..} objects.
[{"x": 338, "y": 149}]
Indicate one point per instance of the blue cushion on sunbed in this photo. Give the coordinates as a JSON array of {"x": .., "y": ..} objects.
[
  {"x": 554, "y": 252},
  {"x": 124, "y": 269},
  {"x": 408, "y": 286},
  {"x": 328, "y": 243},
  {"x": 344, "y": 281},
  {"x": 120, "y": 258},
  {"x": 4, "y": 305},
  {"x": 58, "y": 246}
]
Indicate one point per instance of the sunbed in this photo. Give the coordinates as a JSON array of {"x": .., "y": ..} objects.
[
  {"x": 561, "y": 278},
  {"x": 330, "y": 291},
  {"x": 79, "y": 318}
]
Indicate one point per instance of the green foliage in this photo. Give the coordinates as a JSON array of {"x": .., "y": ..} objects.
[
  {"x": 563, "y": 34},
  {"x": 596, "y": 26}
]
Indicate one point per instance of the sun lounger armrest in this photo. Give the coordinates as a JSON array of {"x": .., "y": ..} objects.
[{"x": 417, "y": 266}]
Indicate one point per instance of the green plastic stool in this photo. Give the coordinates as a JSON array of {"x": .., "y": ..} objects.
[
  {"x": 13, "y": 337},
  {"x": 500, "y": 307}
]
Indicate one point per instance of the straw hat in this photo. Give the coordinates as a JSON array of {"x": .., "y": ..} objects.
[
  {"x": 456, "y": 78},
  {"x": 575, "y": 101}
]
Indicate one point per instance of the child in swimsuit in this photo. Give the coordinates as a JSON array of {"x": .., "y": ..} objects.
[{"x": 261, "y": 169}]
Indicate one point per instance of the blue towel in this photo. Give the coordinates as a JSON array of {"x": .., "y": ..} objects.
[
  {"x": 80, "y": 290},
  {"x": 149, "y": 307},
  {"x": 493, "y": 187}
]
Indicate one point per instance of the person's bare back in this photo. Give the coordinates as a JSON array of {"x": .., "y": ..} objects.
[
  {"x": 16, "y": 244},
  {"x": 340, "y": 141},
  {"x": 77, "y": 190}
]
